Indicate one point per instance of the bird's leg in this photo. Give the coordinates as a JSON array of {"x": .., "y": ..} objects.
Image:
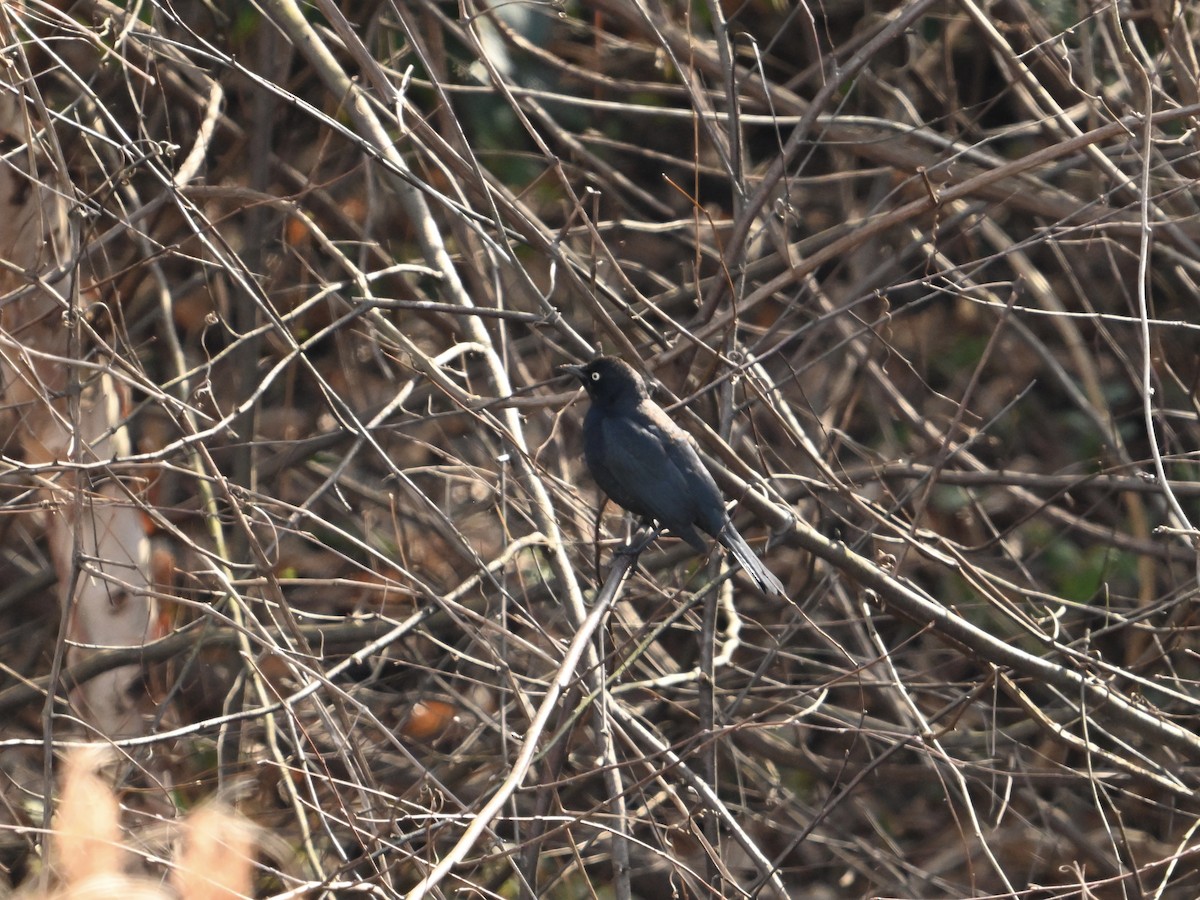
[{"x": 634, "y": 547}]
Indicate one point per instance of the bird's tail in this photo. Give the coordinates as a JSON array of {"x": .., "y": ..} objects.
[{"x": 747, "y": 559}]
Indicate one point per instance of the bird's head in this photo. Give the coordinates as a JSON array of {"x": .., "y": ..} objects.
[{"x": 609, "y": 381}]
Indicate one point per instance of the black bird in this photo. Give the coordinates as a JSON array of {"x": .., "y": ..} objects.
[{"x": 649, "y": 465}]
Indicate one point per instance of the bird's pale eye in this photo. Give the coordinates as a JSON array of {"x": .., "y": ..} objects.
[{"x": 595, "y": 376}]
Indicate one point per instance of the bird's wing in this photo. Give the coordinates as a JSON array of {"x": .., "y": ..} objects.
[
  {"x": 640, "y": 471},
  {"x": 636, "y": 456},
  {"x": 708, "y": 505}
]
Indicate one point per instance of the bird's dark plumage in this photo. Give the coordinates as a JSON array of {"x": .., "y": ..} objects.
[{"x": 649, "y": 465}]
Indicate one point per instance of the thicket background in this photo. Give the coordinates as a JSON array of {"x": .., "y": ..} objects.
[{"x": 920, "y": 279}]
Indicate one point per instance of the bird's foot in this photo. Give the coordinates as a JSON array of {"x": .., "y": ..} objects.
[{"x": 638, "y": 544}]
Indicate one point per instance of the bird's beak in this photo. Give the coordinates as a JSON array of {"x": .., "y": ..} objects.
[{"x": 577, "y": 371}]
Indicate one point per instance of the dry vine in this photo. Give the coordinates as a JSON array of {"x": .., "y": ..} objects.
[{"x": 922, "y": 282}]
